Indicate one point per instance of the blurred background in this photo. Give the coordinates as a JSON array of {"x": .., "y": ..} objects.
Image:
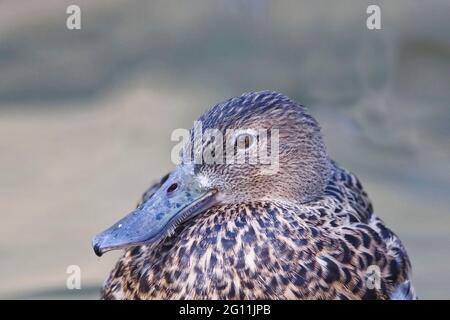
[{"x": 86, "y": 115}]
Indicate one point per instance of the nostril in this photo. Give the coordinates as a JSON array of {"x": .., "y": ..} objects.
[{"x": 172, "y": 187}]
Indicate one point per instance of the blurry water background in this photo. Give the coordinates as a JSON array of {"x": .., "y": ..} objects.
[{"x": 86, "y": 115}]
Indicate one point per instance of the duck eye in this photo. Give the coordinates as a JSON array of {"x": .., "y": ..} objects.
[
  {"x": 245, "y": 141},
  {"x": 172, "y": 187}
]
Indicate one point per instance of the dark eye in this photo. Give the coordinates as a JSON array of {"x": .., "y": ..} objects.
[
  {"x": 172, "y": 187},
  {"x": 245, "y": 141}
]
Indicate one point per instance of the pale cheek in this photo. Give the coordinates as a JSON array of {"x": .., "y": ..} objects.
[{"x": 204, "y": 181}]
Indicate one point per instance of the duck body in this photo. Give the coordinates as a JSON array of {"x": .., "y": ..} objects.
[
  {"x": 271, "y": 250},
  {"x": 233, "y": 231}
]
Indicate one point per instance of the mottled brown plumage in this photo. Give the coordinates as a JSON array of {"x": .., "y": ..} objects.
[{"x": 307, "y": 232}]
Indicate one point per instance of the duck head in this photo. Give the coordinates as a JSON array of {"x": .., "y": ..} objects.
[{"x": 252, "y": 123}]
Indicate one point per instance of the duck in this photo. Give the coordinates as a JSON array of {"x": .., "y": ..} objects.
[{"x": 232, "y": 230}]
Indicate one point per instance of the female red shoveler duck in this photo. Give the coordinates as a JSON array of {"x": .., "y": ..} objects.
[{"x": 232, "y": 231}]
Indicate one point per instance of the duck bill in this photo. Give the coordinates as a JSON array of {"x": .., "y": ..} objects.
[{"x": 180, "y": 197}]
